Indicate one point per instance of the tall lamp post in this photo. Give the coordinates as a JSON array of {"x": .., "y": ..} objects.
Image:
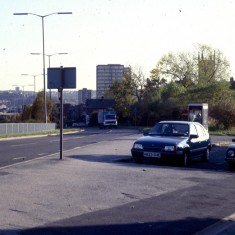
[
  {"x": 43, "y": 53},
  {"x": 34, "y": 81},
  {"x": 49, "y": 58}
]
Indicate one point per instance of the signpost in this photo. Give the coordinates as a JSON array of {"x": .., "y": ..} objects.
[{"x": 61, "y": 78}]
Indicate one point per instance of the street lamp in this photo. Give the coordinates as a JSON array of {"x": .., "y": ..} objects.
[
  {"x": 50, "y": 55},
  {"x": 43, "y": 53},
  {"x": 34, "y": 79},
  {"x": 23, "y": 86},
  {"x": 49, "y": 58}
]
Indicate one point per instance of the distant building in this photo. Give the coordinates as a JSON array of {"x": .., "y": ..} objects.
[
  {"x": 83, "y": 95},
  {"x": 17, "y": 89},
  {"x": 206, "y": 68},
  {"x": 232, "y": 83},
  {"x": 107, "y": 74}
]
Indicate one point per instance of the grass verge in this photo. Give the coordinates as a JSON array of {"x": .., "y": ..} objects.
[{"x": 54, "y": 132}]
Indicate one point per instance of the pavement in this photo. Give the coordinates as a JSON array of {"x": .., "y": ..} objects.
[
  {"x": 224, "y": 227},
  {"x": 227, "y": 225},
  {"x": 45, "y": 190}
]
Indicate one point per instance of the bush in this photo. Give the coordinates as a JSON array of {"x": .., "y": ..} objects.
[{"x": 223, "y": 115}]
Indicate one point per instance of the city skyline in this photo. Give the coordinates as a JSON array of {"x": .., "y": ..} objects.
[{"x": 132, "y": 33}]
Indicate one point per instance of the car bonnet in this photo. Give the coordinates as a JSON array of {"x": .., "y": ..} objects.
[{"x": 161, "y": 140}]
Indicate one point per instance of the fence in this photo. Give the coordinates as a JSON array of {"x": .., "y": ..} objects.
[{"x": 14, "y": 128}]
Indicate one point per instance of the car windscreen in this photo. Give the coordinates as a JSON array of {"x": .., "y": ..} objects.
[
  {"x": 170, "y": 129},
  {"x": 110, "y": 116}
]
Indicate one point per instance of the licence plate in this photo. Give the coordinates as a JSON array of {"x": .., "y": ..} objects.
[{"x": 152, "y": 154}]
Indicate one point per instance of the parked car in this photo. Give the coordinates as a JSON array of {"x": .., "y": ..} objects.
[
  {"x": 230, "y": 156},
  {"x": 175, "y": 141}
]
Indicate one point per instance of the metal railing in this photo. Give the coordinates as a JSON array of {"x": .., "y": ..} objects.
[{"x": 14, "y": 128}]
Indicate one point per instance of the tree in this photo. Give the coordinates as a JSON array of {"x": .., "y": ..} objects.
[
  {"x": 27, "y": 113},
  {"x": 208, "y": 66},
  {"x": 152, "y": 91},
  {"x": 127, "y": 92},
  {"x": 210, "y": 93},
  {"x": 179, "y": 67},
  {"x": 138, "y": 82},
  {"x": 172, "y": 90},
  {"x": 38, "y": 107},
  {"x": 156, "y": 78},
  {"x": 224, "y": 114},
  {"x": 121, "y": 92}
]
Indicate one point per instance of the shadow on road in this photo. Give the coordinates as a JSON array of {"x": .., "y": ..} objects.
[
  {"x": 178, "y": 227},
  {"x": 216, "y": 162}
]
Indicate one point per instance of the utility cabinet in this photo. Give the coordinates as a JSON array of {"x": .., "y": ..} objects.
[{"x": 198, "y": 113}]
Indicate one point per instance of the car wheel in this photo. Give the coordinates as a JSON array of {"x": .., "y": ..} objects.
[
  {"x": 206, "y": 155},
  {"x": 138, "y": 160},
  {"x": 185, "y": 161},
  {"x": 231, "y": 166}
]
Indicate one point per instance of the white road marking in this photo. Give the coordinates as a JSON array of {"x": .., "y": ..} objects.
[
  {"x": 17, "y": 158},
  {"x": 51, "y": 141},
  {"x": 41, "y": 154},
  {"x": 17, "y": 145},
  {"x": 72, "y": 138},
  {"x": 65, "y": 139}
]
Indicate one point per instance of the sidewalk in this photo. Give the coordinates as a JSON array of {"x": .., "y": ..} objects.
[
  {"x": 47, "y": 189},
  {"x": 223, "y": 227},
  {"x": 88, "y": 179}
]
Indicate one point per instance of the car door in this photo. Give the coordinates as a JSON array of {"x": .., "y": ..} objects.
[
  {"x": 202, "y": 138},
  {"x": 194, "y": 142}
]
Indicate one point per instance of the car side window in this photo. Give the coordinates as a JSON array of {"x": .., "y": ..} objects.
[
  {"x": 193, "y": 130},
  {"x": 200, "y": 131}
]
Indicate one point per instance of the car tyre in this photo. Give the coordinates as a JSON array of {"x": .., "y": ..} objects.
[
  {"x": 206, "y": 155},
  {"x": 138, "y": 160},
  {"x": 185, "y": 161},
  {"x": 231, "y": 166}
]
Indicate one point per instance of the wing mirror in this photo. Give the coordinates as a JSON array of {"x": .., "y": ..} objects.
[
  {"x": 145, "y": 132},
  {"x": 193, "y": 136}
]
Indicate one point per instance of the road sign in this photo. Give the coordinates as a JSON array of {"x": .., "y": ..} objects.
[{"x": 64, "y": 78}]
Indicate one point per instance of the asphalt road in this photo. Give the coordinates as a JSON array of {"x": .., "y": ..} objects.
[
  {"x": 98, "y": 189},
  {"x": 17, "y": 150}
]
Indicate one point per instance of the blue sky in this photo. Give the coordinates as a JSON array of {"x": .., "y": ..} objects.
[{"x": 129, "y": 32}]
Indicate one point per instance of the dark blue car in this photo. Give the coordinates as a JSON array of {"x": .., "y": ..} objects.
[
  {"x": 230, "y": 156},
  {"x": 178, "y": 141}
]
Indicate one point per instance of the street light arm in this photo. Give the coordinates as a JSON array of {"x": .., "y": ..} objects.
[
  {"x": 42, "y": 16},
  {"x": 19, "y": 14},
  {"x": 62, "y": 13},
  {"x": 60, "y": 53},
  {"x": 28, "y": 13},
  {"x": 59, "y": 13}
]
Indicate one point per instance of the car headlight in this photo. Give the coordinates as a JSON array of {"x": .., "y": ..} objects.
[
  {"x": 230, "y": 153},
  {"x": 170, "y": 148},
  {"x": 138, "y": 146}
]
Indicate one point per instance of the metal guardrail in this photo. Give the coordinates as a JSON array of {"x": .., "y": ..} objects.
[{"x": 14, "y": 128}]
